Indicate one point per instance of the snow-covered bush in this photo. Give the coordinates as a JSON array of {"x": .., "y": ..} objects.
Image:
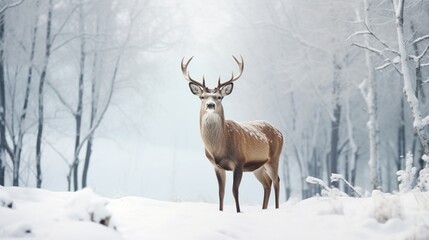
[
  {"x": 16, "y": 230},
  {"x": 88, "y": 206},
  {"x": 423, "y": 181},
  {"x": 5, "y": 199},
  {"x": 406, "y": 177},
  {"x": 326, "y": 191},
  {"x": 336, "y": 177},
  {"x": 386, "y": 206}
]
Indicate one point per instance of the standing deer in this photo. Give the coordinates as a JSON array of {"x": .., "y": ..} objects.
[{"x": 233, "y": 146}]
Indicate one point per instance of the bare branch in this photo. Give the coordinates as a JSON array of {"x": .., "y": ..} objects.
[
  {"x": 58, "y": 152},
  {"x": 110, "y": 95},
  {"x": 68, "y": 40},
  {"x": 358, "y": 33},
  {"x": 64, "y": 23},
  {"x": 379, "y": 53},
  {"x": 63, "y": 101},
  {"x": 385, "y": 65},
  {"x": 10, "y": 6},
  {"x": 422, "y": 38},
  {"x": 423, "y": 53},
  {"x": 388, "y": 48}
]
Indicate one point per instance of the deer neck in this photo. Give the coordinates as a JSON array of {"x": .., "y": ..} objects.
[{"x": 212, "y": 126}]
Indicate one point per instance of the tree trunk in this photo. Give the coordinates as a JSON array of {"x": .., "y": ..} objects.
[
  {"x": 21, "y": 123},
  {"x": 40, "y": 122},
  {"x": 94, "y": 104},
  {"x": 286, "y": 177},
  {"x": 335, "y": 124},
  {"x": 350, "y": 163},
  {"x": 401, "y": 138},
  {"x": 371, "y": 102},
  {"x": 421, "y": 98},
  {"x": 410, "y": 96},
  {"x": 78, "y": 113},
  {"x": 2, "y": 105}
]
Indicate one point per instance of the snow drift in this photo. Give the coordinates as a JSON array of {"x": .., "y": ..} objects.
[{"x": 41, "y": 214}]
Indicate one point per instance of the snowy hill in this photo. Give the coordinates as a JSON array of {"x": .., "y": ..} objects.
[{"x": 41, "y": 214}]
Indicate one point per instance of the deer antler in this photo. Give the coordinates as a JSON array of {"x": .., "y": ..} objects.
[
  {"x": 186, "y": 73},
  {"x": 233, "y": 78}
]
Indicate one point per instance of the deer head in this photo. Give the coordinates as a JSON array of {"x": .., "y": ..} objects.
[{"x": 211, "y": 98}]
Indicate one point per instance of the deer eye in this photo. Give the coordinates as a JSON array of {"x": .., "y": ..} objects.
[
  {"x": 219, "y": 98},
  {"x": 202, "y": 97}
]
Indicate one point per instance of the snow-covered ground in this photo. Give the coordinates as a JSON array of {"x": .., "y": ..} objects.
[{"x": 41, "y": 214}]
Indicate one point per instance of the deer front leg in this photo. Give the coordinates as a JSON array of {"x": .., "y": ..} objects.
[
  {"x": 238, "y": 173},
  {"x": 220, "y": 174}
]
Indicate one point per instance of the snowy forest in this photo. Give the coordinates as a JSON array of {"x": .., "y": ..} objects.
[
  {"x": 91, "y": 92},
  {"x": 98, "y": 126}
]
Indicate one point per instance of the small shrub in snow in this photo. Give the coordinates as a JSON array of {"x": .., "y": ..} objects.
[
  {"x": 386, "y": 206},
  {"x": 5, "y": 199},
  {"x": 406, "y": 177},
  {"x": 336, "y": 177},
  {"x": 421, "y": 232},
  {"x": 423, "y": 181},
  {"x": 326, "y": 191},
  {"x": 16, "y": 230},
  {"x": 88, "y": 206}
]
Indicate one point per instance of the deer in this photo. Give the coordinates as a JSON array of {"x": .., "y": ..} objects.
[{"x": 235, "y": 146}]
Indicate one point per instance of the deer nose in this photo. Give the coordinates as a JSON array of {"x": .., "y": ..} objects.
[{"x": 210, "y": 105}]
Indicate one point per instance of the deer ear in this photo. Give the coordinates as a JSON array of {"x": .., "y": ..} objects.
[
  {"x": 226, "y": 90},
  {"x": 195, "y": 89}
]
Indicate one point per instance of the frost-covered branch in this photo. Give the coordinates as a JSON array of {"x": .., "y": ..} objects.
[
  {"x": 374, "y": 50},
  {"x": 381, "y": 54},
  {"x": 336, "y": 177},
  {"x": 388, "y": 48},
  {"x": 418, "y": 58},
  {"x": 406, "y": 176},
  {"x": 317, "y": 181},
  {"x": 331, "y": 192},
  {"x": 357, "y": 34},
  {"x": 422, "y": 38}
]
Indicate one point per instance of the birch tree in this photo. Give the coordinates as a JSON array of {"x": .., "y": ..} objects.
[
  {"x": 419, "y": 122},
  {"x": 368, "y": 89},
  {"x": 400, "y": 60},
  {"x": 41, "y": 93},
  {"x": 21, "y": 122},
  {"x": 4, "y": 146},
  {"x": 3, "y": 143}
]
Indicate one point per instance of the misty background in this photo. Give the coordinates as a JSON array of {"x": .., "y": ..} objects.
[{"x": 302, "y": 73}]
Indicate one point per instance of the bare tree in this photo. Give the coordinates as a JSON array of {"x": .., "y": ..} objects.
[
  {"x": 368, "y": 89},
  {"x": 40, "y": 122},
  {"x": 3, "y": 143},
  {"x": 4, "y": 147},
  {"x": 335, "y": 122},
  {"x": 419, "y": 122}
]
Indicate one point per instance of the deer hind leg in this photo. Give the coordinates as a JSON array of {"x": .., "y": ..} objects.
[
  {"x": 265, "y": 180},
  {"x": 272, "y": 171},
  {"x": 220, "y": 174}
]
